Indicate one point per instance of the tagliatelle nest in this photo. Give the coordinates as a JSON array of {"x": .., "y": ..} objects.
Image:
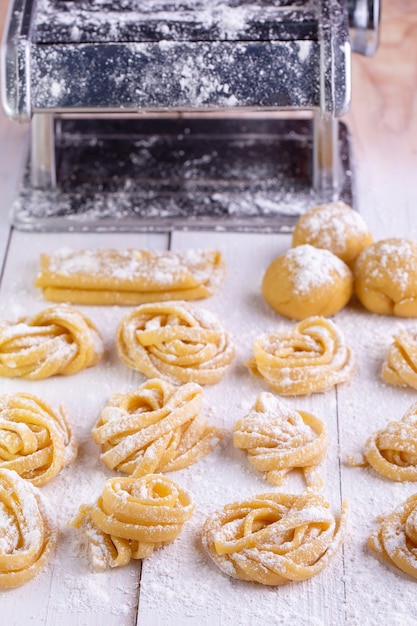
[
  {"x": 28, "y": 533},
  {"x": 274, "y": 538},
  {"x": 176, "y": 341},
  {"x": 278, "y": 440},
  {"x": 396, "y": 537},
  {"x": 158, "y": 427},
  {"x": 133, "y": 517},
  {"x": 310, "y": 357},
  {"x": 58, "y": 340}
]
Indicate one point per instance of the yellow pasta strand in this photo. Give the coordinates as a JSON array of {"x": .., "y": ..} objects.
[
  {"x": 274, "y": 538},
  {"x": 58, "y": 340},
  {"x": 28, "y": 534},
  {"x": 129, "y": 277},
  {"x": 156, "y": 428},
  {"x": 311, "y": 357},
  {"x": 400, "y": 366},
  {"x": 392, "y": 451},
  {"x": 35, "y": 441},
  {"x": 132, "y": 518},
  {"x": 176, "y": 341},
  {"x": 279, "y": 440},
  {"x": 396, "y": 537}
]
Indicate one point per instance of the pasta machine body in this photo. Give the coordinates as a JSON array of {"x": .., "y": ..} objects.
[{"x": 162, "y": 114}]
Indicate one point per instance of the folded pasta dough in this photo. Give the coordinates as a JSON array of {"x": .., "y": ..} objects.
[
  {"x": 133, "y": 517},
  {"x": 278, "y": 440},
  {"x": 158, "y": 427},
  {"x": 35, "y": 441},
  {"x": 395, "y": 539},
  {"x": 274, "y": 538},
  {"x": 128, "y": 277},
  {"x": 28, "y": 533}
]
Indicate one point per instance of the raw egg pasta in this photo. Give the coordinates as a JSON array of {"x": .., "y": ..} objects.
[
  {"x": 392, "y": 451},
  {"x": 158, "y": 427},
  {"x": 28, "y": 534},
  {"x": 278, "y": 440},
  {"x": 132, "y": 518},
  {"x": 35, "y": 441},
  {"x": 176, "y": 341},
  {"x": 396, "y": 537},
  {"x": 129, "y": 277},
  {"x": 274, "y": 538},
  {"x": 400, "y": 365},
  {"x": 58, "y": 340},
  {"x": 311, "y": 357}
]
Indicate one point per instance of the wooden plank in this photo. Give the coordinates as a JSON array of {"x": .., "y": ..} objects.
[
  {"x": 375, "y": 591},
  {"x": 68, "y": 591},
  {"x": 193, "y": 588}
]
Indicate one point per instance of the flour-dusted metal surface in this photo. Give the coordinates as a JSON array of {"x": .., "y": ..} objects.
[
  {"x": 62, "y": 56},
  {"x": 252, "y": 174}
]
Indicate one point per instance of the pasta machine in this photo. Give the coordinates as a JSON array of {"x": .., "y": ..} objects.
[{"x": 162, "y": 114}]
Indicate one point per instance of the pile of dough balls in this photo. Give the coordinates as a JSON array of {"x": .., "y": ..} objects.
[
  {"x": 314, "y": 277},
  {"x": 333, "y": 255}
]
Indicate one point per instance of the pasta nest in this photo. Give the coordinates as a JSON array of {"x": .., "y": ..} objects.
[
  {"x": 132, "y": 518},
  {"x": 400, "y": 366},
  {"x": 275, "y": 537},
  {"x": 311, "y": 357},
  {"x": 392, "y": 451},
  {"x": 156, "y": 428},
  {"x": 28, "y": 533},
  {"x": 58, "y": 340},
  {"x": 396, "y": 537},
  {"x": 35, "y": 441},
  {"x": 278, "y": 440},
  {"x": 176, "y": 341}
]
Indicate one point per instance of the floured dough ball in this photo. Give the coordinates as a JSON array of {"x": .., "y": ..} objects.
[
  {"x": 386, "y": 277},
  {"x": 335, "y": 227},
  {"x": 307, "y": 281}
]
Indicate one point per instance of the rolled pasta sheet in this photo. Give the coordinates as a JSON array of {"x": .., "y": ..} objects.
[
  {"x": 129, "y": 277},
  {"x": 311, "y": 357},
  {"x": 35, "y": 441},
  {"x": 28, "y": 533},
  {"x": 132, "y": 518},
  {"x": 400, "y": 365},
  {"x": 155, "y": 428},
  {"x": 395, "y": 539},
  {"x": 279, "y": 440},
  {"x": 392, "y": 451},
  {"x": 274, "y": 538},
  {"x": 176, "y": 341},
  {"x": 58, "y": 340}
]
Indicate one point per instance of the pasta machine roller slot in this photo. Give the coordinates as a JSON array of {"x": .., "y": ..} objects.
[{"x": 162, "y": 114}]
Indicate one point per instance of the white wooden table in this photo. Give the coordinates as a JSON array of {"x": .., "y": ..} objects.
[{"x": 179, "y": 584}]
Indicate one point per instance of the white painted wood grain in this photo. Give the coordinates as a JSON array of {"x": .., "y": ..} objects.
[{"x": 179, "y": 585}]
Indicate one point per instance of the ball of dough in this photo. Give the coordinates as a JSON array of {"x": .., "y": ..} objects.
[
  {"x": 386, "y": 277},
  {"x": 335, "y": 227},
  {"x": 307, "y": 281}
]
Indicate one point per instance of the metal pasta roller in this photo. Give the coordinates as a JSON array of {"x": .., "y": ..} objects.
[{"x": 162, "y": 114}]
